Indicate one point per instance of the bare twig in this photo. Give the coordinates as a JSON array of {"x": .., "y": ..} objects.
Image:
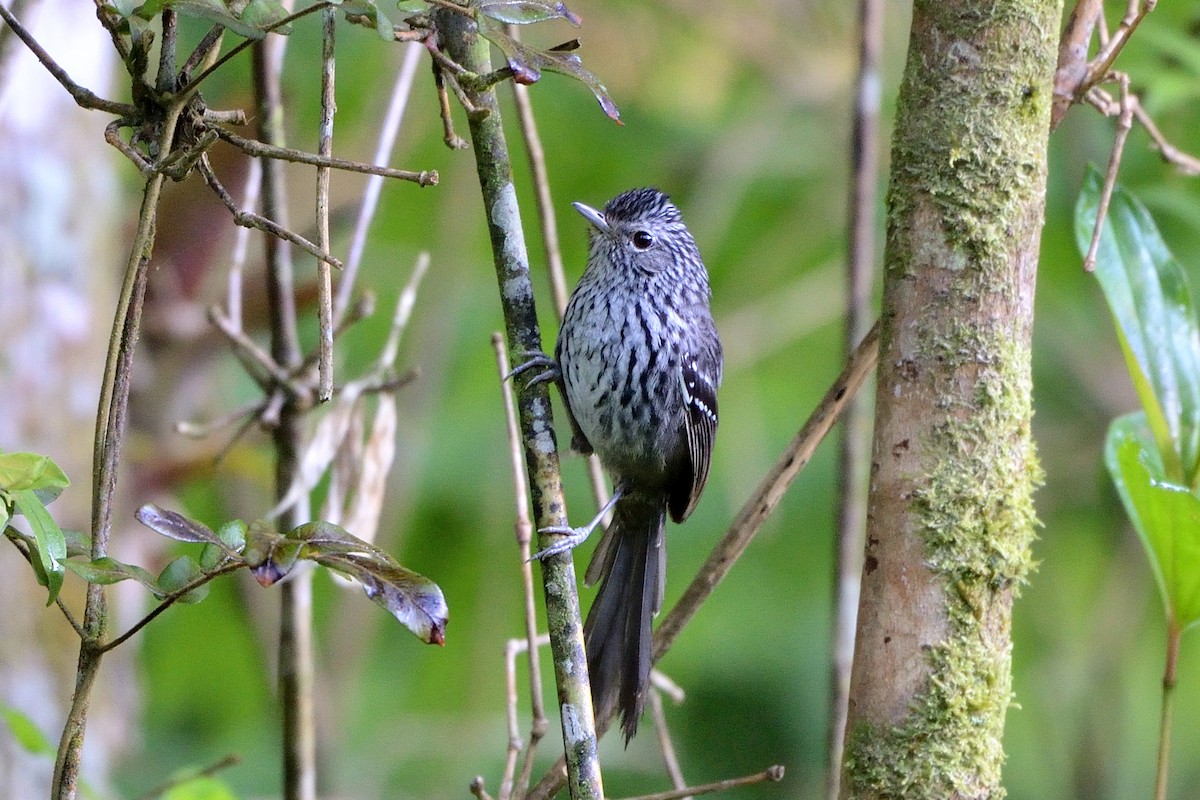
[
  {"x": 249, "y": 219},
  {"x": 169, "y": 600},
  {"x": 241, "y": 243},
  {"x": 258, "y": 362},
  {"x": 770, "y": 491},
  {"x": 523, "y": 528},
  {"x": 405, "y": 303},
  {"x": 83, "y": 97},
  {"x": 325, "y": 150},
  {"x": 202, "y": 430},
  {"x": 1072, "y": 67},
  {"x": 477, "y": 789},
  {"x": 1124, "y": 123},
  {"x": 855, "y": 445},
  {"x": 773, "y": 774},
  {"x": 263, "y": 150},
  {"x": 665, "y": 745},
  {"x": 1186, "y": 163},
  {"x": 388, "y": 133},
  {"x": 549, "y": 229},
  {"x": 296, "y": 678}
]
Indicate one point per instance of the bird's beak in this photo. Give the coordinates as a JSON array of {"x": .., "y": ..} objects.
[{"x": 593, "y": 216}]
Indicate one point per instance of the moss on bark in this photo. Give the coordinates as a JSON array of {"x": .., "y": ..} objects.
[{"x": 954, "y": 468}]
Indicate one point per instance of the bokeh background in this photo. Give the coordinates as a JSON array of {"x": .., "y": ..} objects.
[{"x": 740, "y": 111}]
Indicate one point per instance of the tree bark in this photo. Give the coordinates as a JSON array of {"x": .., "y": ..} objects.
[{"x": 950, "y": 511}]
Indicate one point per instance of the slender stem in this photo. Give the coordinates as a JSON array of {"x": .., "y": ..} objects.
[
  {"x": 463, "y": 42},
  {"x": 111, "y": 419},
  {"x": 325, "y": 150},
  {"x": 523, "y": 528},
  {"x": 85, "y": 98},
  {"x": 549, "y": 229},
  {"x": 295, "y": 627},
  {"x": 855, "y": 445},
  {"x": 1174, "y": 634},
  {"x": 168, "y": 601}
]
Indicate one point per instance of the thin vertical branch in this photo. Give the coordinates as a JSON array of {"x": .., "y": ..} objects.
[
  {"x": 325, "y": 148},
  {"x": 295, "y": 627},
  {"x": 1168, "y": 705},
  {"x": 462, "y": 42},
  {"x": 523, "y": 528},
  {"x": 549, "y": 229},
  {"x": 670, "y": 758},
  {"x": 111, "y": 423},
  {"x": 855, "y": 444},
  {"x": 387, "y": 140}
]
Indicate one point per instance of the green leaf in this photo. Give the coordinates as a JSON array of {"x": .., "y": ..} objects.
[
  {"x": 408, "y": 596},
  {"x": 233, "y": 535},
  {"x": 215, "y": 11},
  {"x": 26, "y": 732},
  {"x": 412, "y": 6},
  {"x": 1151, "y": 302},
  {"x": 1166, "y": 515},
  {"x": 51, "y": 543},
  {"x": 178, "y": 574},
  {"x": 78, "y": 543},
  {"x": 108, "y": 570},
  {"x": 524, "y": 12},
  {"x": 371, "y": 10},
  {"x": 30, "y": 471},
  {"x": 528, "y": 63},
  {"x": 263, "y": 14}
]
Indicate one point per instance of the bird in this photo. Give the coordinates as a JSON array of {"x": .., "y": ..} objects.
[{"x": 638, "y": 362}]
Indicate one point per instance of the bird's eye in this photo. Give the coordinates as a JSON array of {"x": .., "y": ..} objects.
[{"x": 642, "y": 240}]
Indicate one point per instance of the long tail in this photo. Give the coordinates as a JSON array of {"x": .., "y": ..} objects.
[{"x": 630, "y": 563}]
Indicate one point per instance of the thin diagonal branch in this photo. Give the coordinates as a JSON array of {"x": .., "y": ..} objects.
[
  {"x": 249, "y": 219},
  {"x": 82, "y": 96},
  {"x": 855, "y": 446}
]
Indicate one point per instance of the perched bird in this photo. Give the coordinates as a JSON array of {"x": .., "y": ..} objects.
[{"x": 638, "y": 362}]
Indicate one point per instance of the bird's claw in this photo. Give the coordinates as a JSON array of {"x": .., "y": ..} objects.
[
  {"x": 536, "y": 358},
  {"x": 572, "y": 538}
]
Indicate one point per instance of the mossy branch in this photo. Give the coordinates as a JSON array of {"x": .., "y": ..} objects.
[{"x": 460, "y": 38}]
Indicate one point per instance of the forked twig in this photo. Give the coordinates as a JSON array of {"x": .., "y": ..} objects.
[{"x": 250, "y": 219}]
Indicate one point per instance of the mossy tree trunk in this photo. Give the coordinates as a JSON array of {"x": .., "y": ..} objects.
[{"x": 950, "y": 514}]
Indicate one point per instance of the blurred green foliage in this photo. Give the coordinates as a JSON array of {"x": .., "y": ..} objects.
[{"x": 741, "y": 112}]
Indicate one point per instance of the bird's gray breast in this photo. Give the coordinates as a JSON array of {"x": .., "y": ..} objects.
[{"x": 620, "y": 363}]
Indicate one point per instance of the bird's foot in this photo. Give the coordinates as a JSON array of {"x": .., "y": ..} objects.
[
  {"x": 572, "y": 538},
  {"x": 536, "y": 358}
]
